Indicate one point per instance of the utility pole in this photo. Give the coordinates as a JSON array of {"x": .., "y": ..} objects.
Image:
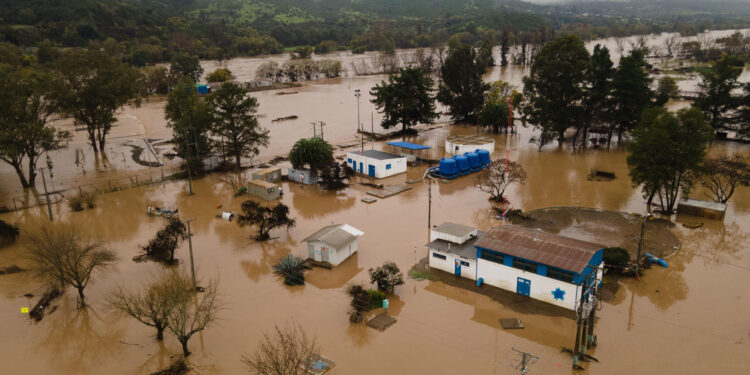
[
  {"x": 372, "y": 130},
  {"x": 526, "y": 359},
  {"x": 190, "y": 244},
  {"x": 357, "y": 93},
  {"x": 585, "y": 317},
  {"x": 46, "y": 194},
  {"x": 322, "y": 124},
  {"x": 640, "y": 243},
  {"x": 315, "y": 129},
  {"x": 190, "y": 175},
  {"x": 425, "y": 177},
  {"x": 507, "y": 155}
]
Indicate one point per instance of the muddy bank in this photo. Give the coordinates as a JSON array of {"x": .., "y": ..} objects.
[{"x": 610, "y": 228}]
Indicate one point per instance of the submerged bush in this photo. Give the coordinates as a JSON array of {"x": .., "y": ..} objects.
[
  {"x": 84, "y": 200},
  {"x": 162, "y": 247},
  {"x": 8, "y": 233},
  {"x": 290, "y": 267},
  {"x": 616, "y": 257}
]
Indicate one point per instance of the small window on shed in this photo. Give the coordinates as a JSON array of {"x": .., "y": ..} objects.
[
  {"x": 561, "y": 275},
  {"x": 465, "y": 264},
  {"x": 349, "y": 160},
  {"x": 387, "y": 166},
  {"x": 439, "y": 256}
]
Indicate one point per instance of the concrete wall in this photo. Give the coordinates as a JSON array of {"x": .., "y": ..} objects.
[
  {"x": 398, "y": 165},
  {"x": 335, "y": 256},
  {"x": 505, "y": 277},
  {"x": 449, "y": 263},
  {"x": 303, "y": 176}
]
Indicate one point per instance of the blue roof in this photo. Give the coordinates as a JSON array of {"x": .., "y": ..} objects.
[{"x": 408, "y": 145}]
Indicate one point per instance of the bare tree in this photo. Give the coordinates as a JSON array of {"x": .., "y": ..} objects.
[
  {"x": 153, "y": 305},
  {"x": 620, "y": 43},
  {"x": 720, "y": 176},
  {"x": 494, "y": 180},
  {"x": 286, "y": 351},
  {"x": 61, "y": 254},
  {"x": 671, "y": 45},
  {"x": 192, "y": 315}
]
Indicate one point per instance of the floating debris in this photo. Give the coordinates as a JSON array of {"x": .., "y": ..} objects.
[
  {"x": 287, "y": 93},
  {"x": 287, "y": 118},
  {"x": 381, "y": 322},
  {"x": 369, "y": 200},
  {"x": 511, "y": 323}
]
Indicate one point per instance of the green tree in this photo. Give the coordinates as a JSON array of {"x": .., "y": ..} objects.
[
  {"x": 46, "y": 53},
  {"x": 186, "y": 66},
  {"x": 267, "y": 218},
  {"x": 92, "y": 86},
  {"x": 631, "y": 92},
  {"x": 386, "y": 277},
  {"x": 188, "y": 115},
  {"x": 554, "y": 89},
  {"x": 504, "y": 47},
  {"x": 334, "y": 176},
  {"x": 220, "y": 75},
  {"x": 494, "y": 113},
  {"x": 597, "y": 101},
  {"x": 462, "y": 88},
  {"x": 484, "y": 56},
  {"x": 666, "y": 90},
  {"x": 716, "y": 87},
  {"x": 26, "y": 110},
  {"x": 721, "y": 175},
  {"x": 312, "y": 152},
  {"x": 406, "y": 99},
  {"x": 234, "y": 121},
  {"x": 302, "y": 52},
  {"x": 665, "y": 150}
]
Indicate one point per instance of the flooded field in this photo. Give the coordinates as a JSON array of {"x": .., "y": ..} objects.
[{"x": 690, "y": 318}]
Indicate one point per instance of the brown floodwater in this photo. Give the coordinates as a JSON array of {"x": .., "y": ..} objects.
[{"x": 690, "y": 318}]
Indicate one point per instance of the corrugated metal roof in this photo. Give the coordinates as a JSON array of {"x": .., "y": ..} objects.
[
  {"x": 336, "y": 235},
  {"x": 407, "y": 145},
  {"x": 454, "y": 229},
  {"x": 549, "y": 249},
  {"x": 375, "y": 154}
]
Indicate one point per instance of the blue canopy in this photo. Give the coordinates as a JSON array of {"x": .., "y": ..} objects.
[{"x": 408, "y": 145}]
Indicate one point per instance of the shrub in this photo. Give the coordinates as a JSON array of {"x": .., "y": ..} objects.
[
  {"x": 616, "y": 257},
  {"x": 290, "y": 267},
  {"x": 8, "y": 233},
  {"x": 162, "y": 247},
  {"x": 376, "y": 298},
  {"x": 360, "y": 298},
  {"x": 84, "y": 200},
  {"x": 387, "y": 276}
]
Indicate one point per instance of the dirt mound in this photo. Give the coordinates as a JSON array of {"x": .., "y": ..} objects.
[{"x": 609, "y": 228}]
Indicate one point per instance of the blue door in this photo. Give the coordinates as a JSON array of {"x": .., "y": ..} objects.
[
  {"x": 371, "y": 170},
  {"x": 457, "y": 268},
  {"x": 361, "y": 165},
  {"x": 524, "y": 287}
]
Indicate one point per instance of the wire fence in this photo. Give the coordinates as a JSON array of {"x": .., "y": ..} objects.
[{"x": 36, "y": 197}]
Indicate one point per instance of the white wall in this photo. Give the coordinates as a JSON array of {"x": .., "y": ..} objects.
[
  {"x": 398, "y": 165},
  {"x": 505, "y": 277},
  {"x": 435, "y": 235},
  {"x": 335, "y": 256},
  {"x": 450, "y": 147},
  {"x": 448, "y": 264}
]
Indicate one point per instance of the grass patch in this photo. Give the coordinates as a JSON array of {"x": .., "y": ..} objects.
[{"x": 420, "y": 274}]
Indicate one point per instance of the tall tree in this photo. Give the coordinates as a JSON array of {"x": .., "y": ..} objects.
[
  {"x": 554, "y": 89},
  {"x": 665, "y": 150},
  {"x": 494, "y": 113},
  {"x": 61, "y": 254},
  {"x": 233, "y": 119},
  {"x": 504, "y": 47},
  {"x": 666, "y": 89},
  {"x": 495, "y": 179},
  {"x": 462, "y": 88},
  {"x": 597, "y": 102},
  {"x": 26, "y": 111},
  {"x": 186, "y": 66},
  {"x": 92, "y": 86},
  {"x": 315, "y": 153},
  {"x": 192, "y": 315},
  {"x": 406, "y": 99},
  {"x": 721, "y": 175},
  {"x": 716, "y": 87},
  {"x": 286, "y": 351},
  {"x": 189, "y": 116},
  {"x": 631, "y": 92},
  {"x": 265, "y": 217}
]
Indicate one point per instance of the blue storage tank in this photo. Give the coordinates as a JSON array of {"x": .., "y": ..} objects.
[
  {"x": 462, "y": 163},
  {"x": 474, "y": 163},
  {"x": 484, "y": 157},
  {"x": 447, "y": 167}
]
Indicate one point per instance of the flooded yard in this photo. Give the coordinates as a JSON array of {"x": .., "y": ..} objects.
[{"x": 690, "y": 318}]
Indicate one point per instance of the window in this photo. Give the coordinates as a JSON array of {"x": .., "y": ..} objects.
[
  {"x": 387, "y": 166},
  {"x": 561, "y": 275},
  {"x": 439, "y": 256},
  {"x": 492, "y": 257},
  {"x": 524, "y": 265},
  {"x": 349, "y": 160},
  {"x": 465, "y": 264}
]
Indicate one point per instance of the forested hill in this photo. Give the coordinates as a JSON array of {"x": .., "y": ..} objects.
[{"x": 148, "y": 31}]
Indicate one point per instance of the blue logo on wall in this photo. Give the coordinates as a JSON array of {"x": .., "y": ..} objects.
[{"x": 559, "y": 294}]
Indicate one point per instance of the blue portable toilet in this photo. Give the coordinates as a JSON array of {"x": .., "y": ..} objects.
[
  {"x": 463, "y": 164},
  {"x": 202, "y": 89},
  {"x": 484, "y": 157}
]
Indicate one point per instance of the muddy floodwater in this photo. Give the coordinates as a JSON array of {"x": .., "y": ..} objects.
[{"x": 689, "y": 318}]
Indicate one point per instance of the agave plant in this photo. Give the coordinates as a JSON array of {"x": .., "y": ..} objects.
[{"x": 290, "y": 267}]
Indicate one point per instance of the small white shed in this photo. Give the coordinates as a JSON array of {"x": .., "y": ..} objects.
[
  {"x": 333, "y": 244},
  {"x": 452, "y": 249},
  {"x": 303, "y": 176},
  {"x": 376, "y": 163}
]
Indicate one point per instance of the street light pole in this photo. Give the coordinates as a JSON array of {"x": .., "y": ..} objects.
[
  {"x": 357, "y": 93},
  {"x": 190, "y": 243},
  {"x": 426, "y": 176},
  {"x": 640, "y": 243}
]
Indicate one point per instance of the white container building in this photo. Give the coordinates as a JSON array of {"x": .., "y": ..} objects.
[{"x": 376, "y": 163}]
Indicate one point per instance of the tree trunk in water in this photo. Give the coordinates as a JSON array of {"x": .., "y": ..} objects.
[
  {"x": 101, "y": 143},
  {"x": 82, "y": 298},
  {"x": 237, "y": 159},
  {"x": 159, "y": 332},
  {"x": 185, "y": 350},
  {"x": 92, "y": 139},
  {"x": 650, "y": 200},
  {"x": 25, "y": 183}
]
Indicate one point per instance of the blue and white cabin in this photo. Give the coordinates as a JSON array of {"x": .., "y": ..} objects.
[
  {"x": 452, "y": 249},
  {"x": 376, "y": 163},
  {"x": 543, "y": 266}
]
